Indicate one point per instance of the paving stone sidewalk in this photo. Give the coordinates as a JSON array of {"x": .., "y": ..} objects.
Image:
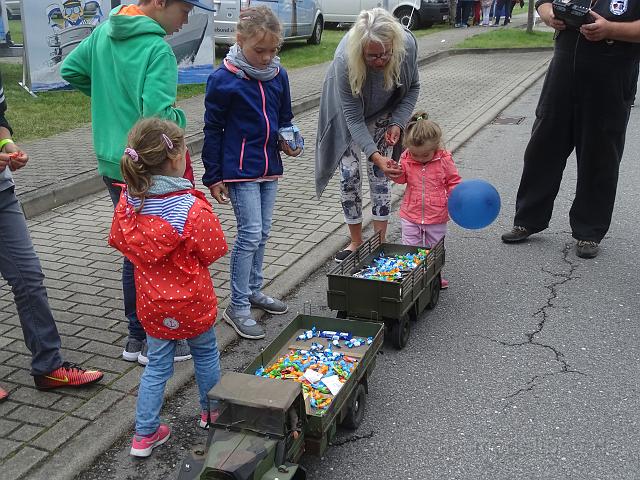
[
  {"x": 55, "y": 434},
  {"x": 63, "y": 168}
]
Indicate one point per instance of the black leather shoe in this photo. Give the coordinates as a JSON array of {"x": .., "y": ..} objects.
[
  {"x": 517, "y": 234},
  {"x": 587, "y": 249}
]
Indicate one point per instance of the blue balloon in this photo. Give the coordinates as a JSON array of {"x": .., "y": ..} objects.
[{"x": 474, "y": 204}]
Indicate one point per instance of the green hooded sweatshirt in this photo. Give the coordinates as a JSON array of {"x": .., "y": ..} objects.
[{"x": 130, "y": 72}]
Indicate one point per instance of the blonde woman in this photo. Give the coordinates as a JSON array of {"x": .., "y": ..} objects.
[{"x": 369, "y": 93}]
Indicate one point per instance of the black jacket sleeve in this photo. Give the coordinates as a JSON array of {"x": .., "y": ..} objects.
[{"x": 3, "y": 108}]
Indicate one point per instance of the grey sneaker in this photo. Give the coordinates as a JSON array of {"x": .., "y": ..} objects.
[
  {"x": 132, "y": 349},
  {"x": 269, "y": 305},
  {"x": 244, "y": 325},
  {"x": 181, "y": 354},
  {"x": 587, "y": 249}
]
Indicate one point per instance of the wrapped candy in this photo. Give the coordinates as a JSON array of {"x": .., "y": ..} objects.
[
  {"x": 391, "y": 269},
  {"x": 292, "y": 136},
  {"x": 323, "y": 361}
]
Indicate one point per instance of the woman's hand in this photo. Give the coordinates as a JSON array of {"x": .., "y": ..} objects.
[
  {"x": 220, "y": 192},
  {"x": 390, "y": 167},
  {"x": 392, "y": 135},
  {"x": 17, "y": 158},
  {"x": 284, "y": 146}
]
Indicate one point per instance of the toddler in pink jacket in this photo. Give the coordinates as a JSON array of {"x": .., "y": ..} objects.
[{"x": 430, "y": 175}]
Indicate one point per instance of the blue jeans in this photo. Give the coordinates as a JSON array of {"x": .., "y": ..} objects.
[
  {"x": 20, "y": 267},
  {"x": 253, "y": 206},
  {"x": 206, "y": 360},
  {"x": 128, "y": 283}
]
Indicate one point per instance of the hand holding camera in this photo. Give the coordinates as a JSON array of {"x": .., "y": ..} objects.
[
  {"x": 548, "y": 17},
  {"x": 574, "y": 13},
  {"x": 600, "y": 29}
]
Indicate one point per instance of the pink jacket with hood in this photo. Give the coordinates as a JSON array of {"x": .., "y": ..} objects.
[{"x": 428, "y": 187}]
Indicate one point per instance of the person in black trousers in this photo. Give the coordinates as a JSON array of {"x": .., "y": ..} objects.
[
  {"x": 506, "y": 5},
  {"x": 584, "y": 105}
]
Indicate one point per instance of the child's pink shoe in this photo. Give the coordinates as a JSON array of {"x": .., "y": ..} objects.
[
  {"x": 143, "y": 445},
  {"x": 203, "y": 423},
  {"x": 444, "y": 283}
]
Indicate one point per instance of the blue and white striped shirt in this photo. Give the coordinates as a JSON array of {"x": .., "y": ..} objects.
[{"x": 173, "y": 209}]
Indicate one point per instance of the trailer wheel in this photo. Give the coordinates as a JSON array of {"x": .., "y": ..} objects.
[
  {"x": 400, "y": 332},
  {"x": 435, "y": 292},
  {"x": 341, "y": 314},
  {"x": 357, "y": 404}
]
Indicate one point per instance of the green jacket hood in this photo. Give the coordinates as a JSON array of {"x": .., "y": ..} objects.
[{"x": 122, "y": 27}]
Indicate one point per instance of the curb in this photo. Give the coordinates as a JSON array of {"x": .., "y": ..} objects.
[
  {"x": 34, "y": 204},
  {"x": 66, "y": 464}
]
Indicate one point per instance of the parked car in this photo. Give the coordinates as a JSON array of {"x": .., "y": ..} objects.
[
  {"x": 13, "y": 9},
  {"x": 411, "y": 13},
  {"x": 301, "y": 19}
]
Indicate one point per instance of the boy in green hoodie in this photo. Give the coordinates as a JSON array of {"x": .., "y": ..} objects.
[{"x": 130, "y": 72}]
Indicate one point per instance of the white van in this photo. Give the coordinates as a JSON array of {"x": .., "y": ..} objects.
[
  {"x": 301, "y": 19},
  {"x": 411, "y": 13}
]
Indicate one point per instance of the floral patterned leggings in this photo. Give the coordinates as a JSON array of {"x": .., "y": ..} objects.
[{"x": 351, "y": 179}]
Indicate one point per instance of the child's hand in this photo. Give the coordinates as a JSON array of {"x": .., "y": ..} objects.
[
  {"x": 284, "y": 146},
  {"x": 392, "y": 135},
  {"x": 17, "y": 158},
  {"x": 220, "y": 192},
  {"x": 5, "y": 161}
]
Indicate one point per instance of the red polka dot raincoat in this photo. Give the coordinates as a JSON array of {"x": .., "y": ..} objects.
[{"x": 174, "y": 292}]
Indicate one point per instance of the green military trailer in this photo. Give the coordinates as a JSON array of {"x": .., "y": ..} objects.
[
  {"x": 392, "y": 302},
  {"x": 265, "y": 425}
]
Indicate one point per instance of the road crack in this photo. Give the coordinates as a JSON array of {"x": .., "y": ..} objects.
[
  {"x": 560, "y": 279},
  {"x": 354, "y": 438}
]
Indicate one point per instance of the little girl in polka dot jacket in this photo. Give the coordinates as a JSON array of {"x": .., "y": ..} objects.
[{"x": 169, "y": 232}]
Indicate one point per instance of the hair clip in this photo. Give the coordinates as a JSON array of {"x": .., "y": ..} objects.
[
  {"x": 421, "y": 117},
  {"x": 132, "y": 153},
  {"x": 168, "y": 141}
]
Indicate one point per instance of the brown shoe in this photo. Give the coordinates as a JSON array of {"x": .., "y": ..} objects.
[
  {"x": 517, "y": 234},
  {"x": 587, "y": 249}
]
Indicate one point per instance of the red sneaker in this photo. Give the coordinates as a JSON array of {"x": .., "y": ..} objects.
[
  {"x": 142, "y": 446},
  {"x": 3, "y": 394},
  {"x": 203, "y": 423},
  {"x": 68, "y": 375}
]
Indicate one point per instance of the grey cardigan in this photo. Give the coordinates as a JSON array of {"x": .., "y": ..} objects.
[{"x": 341, "y": 117}]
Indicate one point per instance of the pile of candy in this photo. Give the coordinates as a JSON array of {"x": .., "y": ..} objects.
[
  {"x": 315, "y": 364},
  {"x": 335, "y": 337},
  {"x": 390, "y": 269}
]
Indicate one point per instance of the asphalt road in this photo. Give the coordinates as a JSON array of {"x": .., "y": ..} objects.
[{"x": 527, "y": 368}]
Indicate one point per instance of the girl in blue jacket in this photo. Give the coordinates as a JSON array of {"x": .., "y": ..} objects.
[{"x": 247, "y": 102}]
